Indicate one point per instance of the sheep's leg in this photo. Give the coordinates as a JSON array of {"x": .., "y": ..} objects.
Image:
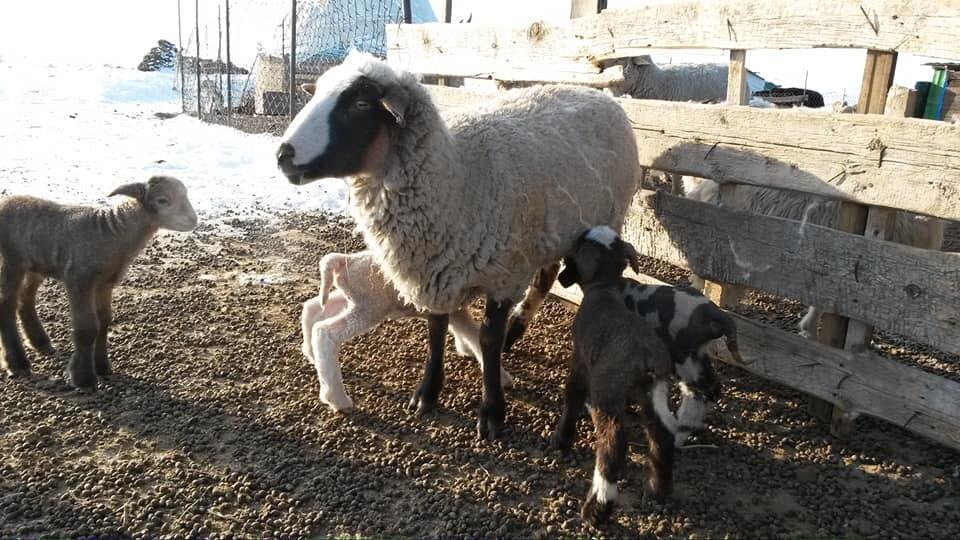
[
  {"x": 425, "y": 398},
  {"x": 14, "y": 354},
  {"x": 808, "y": 324},
  {"x": 314, "y": 312},
  {"x": 85, "y": 329},
  {"x": 101, "y": 362},
  {"x": 575, "y": 395},
  {"x": 29, "y": 320},
  {"x": 611, "y": 449},
  {"x": 699, "y": 388},
  {"x": 466, "y": 334},
  {"x": 532, "y": 300},
  {"x": 328, "y": 336},
  {"x": 493, "y": 408},
  {"x": 659, "y": 446}
]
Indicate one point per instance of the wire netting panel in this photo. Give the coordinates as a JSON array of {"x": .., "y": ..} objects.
[{"x": 249, "y": 86}]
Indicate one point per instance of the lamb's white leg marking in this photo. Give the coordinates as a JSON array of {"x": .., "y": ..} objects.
[
  {"x": 690, "y": 415},
  {"x": 466, "y": 334},
  {"x": 808, "y": 324},
  {"x": 328, "y": 336},
  {"x": 661, "y": 405},
  {"x": 602, "y": 489},
  {"x": 313, "y": 312}
]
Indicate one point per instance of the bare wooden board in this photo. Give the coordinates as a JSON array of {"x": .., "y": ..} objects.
[
  {"x": 905, "y": 163},
  {"x": 905, "y": 290},
  {"x": 860, "y": 383},
  {"x": 890, "y": 25}
]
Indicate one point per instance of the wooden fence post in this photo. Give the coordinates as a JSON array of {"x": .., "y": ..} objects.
[
  {"x": 727, "y": 295},
  {"x": 835, "y": 330}
]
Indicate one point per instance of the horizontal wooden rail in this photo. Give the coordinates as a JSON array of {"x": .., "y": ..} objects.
[
  {"x": 903, "y": 163},
  {"x": 532, "y": 51},
  {"x": 859, "y": 383},
  {"x": 905, "y": 290}
]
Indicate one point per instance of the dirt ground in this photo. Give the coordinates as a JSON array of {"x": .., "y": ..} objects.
[{"x": 212, "y": 426}]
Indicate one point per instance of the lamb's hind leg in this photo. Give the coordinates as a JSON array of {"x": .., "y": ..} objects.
[
  {"x": 14, "y": 354},
  {"x": 328, "y": 336},
  {"x": 699, "y": 389},
  {"x": 425, "y": 398},
  {"x": 101, "y": 361},
  {"x": 314, "y": 312},
  {"x": 611, "y": 449},
  {"x": 29, "y": 320},
  {"x": 532, "y": 300}
]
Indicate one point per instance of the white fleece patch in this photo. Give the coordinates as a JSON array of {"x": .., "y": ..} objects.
[
  {"x": 605, "y": 491},
  {"x": 661, "y": 406},
  {"x": 602, "y": 235}
]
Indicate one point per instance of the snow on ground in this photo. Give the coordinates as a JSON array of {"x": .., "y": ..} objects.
[{"x": 73, "y": 133}]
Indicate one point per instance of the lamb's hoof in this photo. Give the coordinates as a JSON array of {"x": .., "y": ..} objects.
[
  {"x": 104, "y": 371},
  {"x": 490, "y": 420},
  {"x": 514, "y": 333},
  {"x": 595, "y": 512},
  {"x": 18, "y": 371},
  {"x": 506, "y": 379},
  {"x": 85, "y": 382},
  {"x": 559, "y": 442},
  {"x": 656, "y": 490},
  {"x": 806, "y": 335},
  {"x": 421, "y": 405},
  {"x": 43, "y": 347}
]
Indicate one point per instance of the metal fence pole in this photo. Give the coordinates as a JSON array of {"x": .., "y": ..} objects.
[
  {"x": 196, "y": 7},
  {"x": 407, "y": 12},
  {"x": 183, "y": 78},
  {"x": 293, "y": 59},
  {"x": 229, "y": 66}
]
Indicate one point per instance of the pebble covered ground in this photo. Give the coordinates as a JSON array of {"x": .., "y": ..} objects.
[{"x": 212, "y": 426}]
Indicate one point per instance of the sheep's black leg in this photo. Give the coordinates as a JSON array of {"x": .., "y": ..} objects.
[
  {"x": 611, "y": 448},
  {"x": 85, "y": 328},
  {"x": 14, "y": 355},
  {"x": 32, "y": 326},
  {"x": 101, "y": 362},
  {"x": 575, "y": 395},
  {"x": 493, "y": 409},
  {"x": 425, "y": 398},
  {"x": 532, "y": 300},
  {"x": 660, "y": 450}
]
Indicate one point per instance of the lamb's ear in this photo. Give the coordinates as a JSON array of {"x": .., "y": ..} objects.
[
  {"x": 630, "y": 254},
  {"x": 569, "y": 276},
  {"x": 643, "y": 60},
  {"x": 395, "y": 102},
  {"x": 136, "y": 190},
  {"x": 308, "y": 88}
]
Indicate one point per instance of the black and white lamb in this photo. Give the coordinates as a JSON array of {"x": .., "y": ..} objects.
[
  {"x": 355, "y": 298},
  {"x": 88, "y": 249},
  {"x": 474, "y": 202},
  {"x": 683, "y": 318},
  {"x": 617, "y": 360}
]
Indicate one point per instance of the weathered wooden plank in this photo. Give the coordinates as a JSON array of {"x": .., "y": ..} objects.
[
  {"x": 738, "y": 93},
  {"x": 888, "y": 25},
  {"x": 877, "y": 79},
  {"x": 905, "y": 163},
  {"x": 905, "y": 290},
  {"x": 857, "y": 383},
  {"x": 582, "y": 8}
]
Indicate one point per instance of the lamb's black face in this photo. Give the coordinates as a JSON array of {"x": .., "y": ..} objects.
[{"x": 337, "y": 133}]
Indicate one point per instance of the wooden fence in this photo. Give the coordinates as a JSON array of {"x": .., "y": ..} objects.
[{"x": 874, "y": 163}]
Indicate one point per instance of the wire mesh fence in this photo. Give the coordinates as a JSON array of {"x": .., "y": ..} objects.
[{"x": 240, "y": 59}]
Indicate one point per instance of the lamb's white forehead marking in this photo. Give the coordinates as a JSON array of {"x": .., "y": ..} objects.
[
  {"x": 602, "y": 235},
  {"x": 309, "y": 133}
]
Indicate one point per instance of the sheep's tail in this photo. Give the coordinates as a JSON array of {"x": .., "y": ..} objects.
[
  {"x": 327, "y": 276},
  {"x": 730, "y": 333}
]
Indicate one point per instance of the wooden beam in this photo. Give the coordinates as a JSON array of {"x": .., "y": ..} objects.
[
  {"x": 904, "y": 163},
  {"x": 738, "y": 92},
  {"x": 877, "y": 79},
  {"x": 861, "y": 383},
  {"x": 901, "y": 102},
  {"x": 582, "y": 8},
  {"x": 905, "y": 290},
  {"x": 887, "y": 25}
]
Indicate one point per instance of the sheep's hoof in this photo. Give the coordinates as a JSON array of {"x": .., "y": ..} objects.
[
  {"x": 514, "y": 333},
  {"x": 18, "y": 371},
  {"x": 656, "y": 490},
  {"x": 559, "y": 442},
  {"x": 42, "y": 346},
  {"x": 595, "y": 512},
  {"x": 104, "y": 369},
  {"x": 491, "y": 420},
  {"x": 84, "y": 381},
  {"x": 420, "y": 404}
]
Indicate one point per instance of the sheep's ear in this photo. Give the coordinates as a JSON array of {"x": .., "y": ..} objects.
[
  {"x": 136, "y": 190},
  {"x": 395, "y": 102},
  {"x": 569, "y": 276},
  {"x": 631, "y": 255},
  {"x": 308, "y": 88},
  {"x": 644, "y": 60}
]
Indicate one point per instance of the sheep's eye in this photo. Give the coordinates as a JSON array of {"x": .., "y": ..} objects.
[
  {"x": 362, "y": 105},
  {"x": 162, "y": 201}
]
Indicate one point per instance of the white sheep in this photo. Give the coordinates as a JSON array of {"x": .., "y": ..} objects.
[
  {"x": 907, "y": 228},
  {"x": 471, "y": 203},
  {"x": 702, "y": 83},
  {"x": 354, "y": 298},
  {"x": 89, "y": 250}
]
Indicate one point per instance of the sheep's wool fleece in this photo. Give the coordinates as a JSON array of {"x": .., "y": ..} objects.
[{"x": 479, "y": 203}]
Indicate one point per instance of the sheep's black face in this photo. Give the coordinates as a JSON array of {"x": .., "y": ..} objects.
[{"x": 341, "y": 132}]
